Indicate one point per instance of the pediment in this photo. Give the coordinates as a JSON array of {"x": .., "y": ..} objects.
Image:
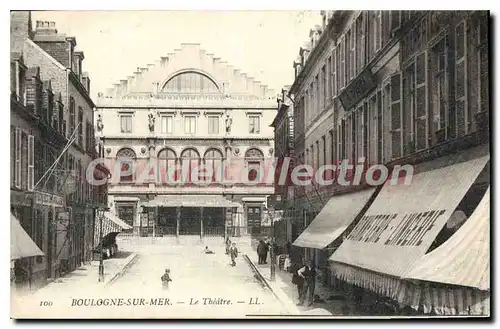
[{"x": 190, "y": 71}]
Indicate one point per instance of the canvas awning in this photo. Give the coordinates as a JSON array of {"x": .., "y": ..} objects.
[
  {"x": 333, "y": 219},
  {"x": 117, "y": 221},
  {"x": 464, "y": 259},
  {"x": 216, "y": 201},
  {"x": 404, "y": 220},
  {"x": 21, "y": 244}
]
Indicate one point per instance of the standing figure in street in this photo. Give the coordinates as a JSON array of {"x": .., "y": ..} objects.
[
  {"x": 298, "y": 280},
  {"x": 267, "y": 247},
  {"x": 308, "y": 272},
  {"x": 233, "y": 252},
  {"x": 261, "y": 252},
  {"x": 165, "y": 279},
  {"x": 228, "y": 245}
]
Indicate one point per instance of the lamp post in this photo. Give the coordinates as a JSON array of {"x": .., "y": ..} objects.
[{"x": 101, "y": 249}]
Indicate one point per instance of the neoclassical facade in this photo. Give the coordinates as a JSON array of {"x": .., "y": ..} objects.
[{"x": 189, "y": 116}]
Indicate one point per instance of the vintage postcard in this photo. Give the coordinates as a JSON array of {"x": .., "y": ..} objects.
[{"x": 249, "y": 164}]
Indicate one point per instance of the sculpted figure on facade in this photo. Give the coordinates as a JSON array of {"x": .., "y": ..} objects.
[
  {"x": 100, "y": 125},
  {"x": 151, "y": 119},
  {"x": 229, "y": 123}
]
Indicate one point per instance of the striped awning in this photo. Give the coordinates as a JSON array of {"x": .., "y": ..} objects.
[
  {"x": 193, "y": 200},
  {"x": 464, "y": 259},
  {"x": 110, "y": 223},
  {"x": 21, "y": 244},
  {"x": 404, "y": 220},
  {"x": 333, "y": 219},
  {"x": 455, "y": 300}
]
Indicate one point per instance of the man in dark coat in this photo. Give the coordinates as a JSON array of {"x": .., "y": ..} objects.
[
  {"x": 298, "y": 280},
  {"x": 261, "y": 251},
  {"x": 308, "y": 272}
]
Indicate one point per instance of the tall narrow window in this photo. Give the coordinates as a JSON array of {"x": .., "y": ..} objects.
[
  {"x": 360, "y": 40},
  {"x": 80, "y": 127},
  {"x": 421, "y": 110},
  {"x": 190, "y": 159},
  {"x": 254, "y": 159},
  {"x": 24, "y": 160},
  {"x": 126, "y": 123},
  {"x": 254, "y": 124},
  {"x": 324, "y": 88},
  {"x": 461, "y": 79},
  {"x": 396, "y": 118},
  {"x": 213, "y": 125},
  {"x": 438, "y": 77},
  {"x": 334, "y": 73},
  {"x": 167, "y": 124},
  {"x": 72, "y": 116},
  {"x": 190, "y": 124},
  {"x": 127, "y": 158},
  {"x": 18, "y": 145},
  {"x": 31, "y": 162},
  {"x": 167, "y": 161},
  {"x": 213, "y": 160}
]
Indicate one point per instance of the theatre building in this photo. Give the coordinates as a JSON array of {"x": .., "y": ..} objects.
[
  {"x": 399, "y": 88},
  {"x": 189, "y": 110}
]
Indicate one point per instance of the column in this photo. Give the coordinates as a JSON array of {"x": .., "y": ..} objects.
[
  {"x": 178, "y": 215},
  {"x": 201, "y": 223}
]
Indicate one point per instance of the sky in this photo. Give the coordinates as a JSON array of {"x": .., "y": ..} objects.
[{"x": 263, "y": 44}]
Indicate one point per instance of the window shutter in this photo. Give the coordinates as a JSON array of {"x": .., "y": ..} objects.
[
  {"x": 461, "y": 79},
  {"x": 31, "y": 162},
  {"x": 334, "y": 73},
  {"x": 396, "y": 117},
  {"x": 421, "y": 102},
  {"x": 18, "y": 158}
]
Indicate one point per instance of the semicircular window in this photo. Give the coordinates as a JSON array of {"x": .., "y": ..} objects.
[{"x": 190, "y": 82}]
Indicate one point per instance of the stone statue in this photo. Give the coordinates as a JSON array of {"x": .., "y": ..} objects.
[
  {"x": 100, "y": 125},
  {"x": 229, "y": 123},
  {"x": 151, "y": 122}
]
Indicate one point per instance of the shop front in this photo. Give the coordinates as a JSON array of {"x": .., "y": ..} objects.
[
  {"x": 328, "y": 227},
  {"x": 402, "y": 224}
]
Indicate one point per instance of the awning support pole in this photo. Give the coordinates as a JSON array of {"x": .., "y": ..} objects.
[
  {"x": 201, "y": 223},
  {"x": 178, "y": 218}
]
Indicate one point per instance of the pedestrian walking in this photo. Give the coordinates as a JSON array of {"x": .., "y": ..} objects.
[
  {"x": 308, "y": 272},
  {"x": 233, "y": 253},
  {"x": 228, "y": 245},
  {"x": 165, "y": 279}
]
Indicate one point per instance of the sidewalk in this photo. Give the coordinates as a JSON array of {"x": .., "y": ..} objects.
[
  {"x": 286, "y": 291},
  {"x": 84, "y": 278}
]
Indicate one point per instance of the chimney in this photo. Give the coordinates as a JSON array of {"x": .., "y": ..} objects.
[
  {"x": 164, "y": 61},
  {"x": 86, "y": 81},
  {"x": 78, "y": 58},
  {"x": 130, "y": 81},
  {"x": 45, "y": 28},
  {"x": 20, "y": 29}
]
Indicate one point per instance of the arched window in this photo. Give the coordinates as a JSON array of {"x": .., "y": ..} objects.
[
  {"x": 126, "y": 158},
  {"x": 254, "y": 159},
  {"x": 190, "y": 82},
  {"x": 167, "y": 161},
  {"x": 213, "y": 160},
  {"x": 190, "y": 159}
]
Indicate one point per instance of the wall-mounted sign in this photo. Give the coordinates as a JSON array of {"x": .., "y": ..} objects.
[
  {"x": 357, "y": 89},
  {"x": 48, "y": 199}
]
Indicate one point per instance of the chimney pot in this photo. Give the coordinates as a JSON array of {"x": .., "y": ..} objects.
[{"x": 52, "y": 24}]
